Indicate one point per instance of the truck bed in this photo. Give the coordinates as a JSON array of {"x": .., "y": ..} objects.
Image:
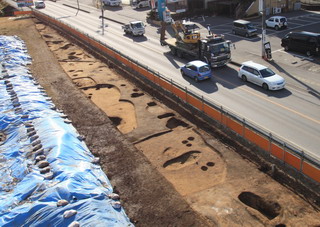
[{"x": 190, "y": 49}]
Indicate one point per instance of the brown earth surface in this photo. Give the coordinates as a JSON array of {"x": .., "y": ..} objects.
[{"x": 167, "y": 171}]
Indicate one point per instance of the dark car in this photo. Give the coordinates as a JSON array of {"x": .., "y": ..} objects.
[
  {"x": 305, "y": 42},
  {"x": 244, "y": 28}
]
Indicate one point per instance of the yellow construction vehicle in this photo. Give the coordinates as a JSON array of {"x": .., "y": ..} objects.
[
  {"x": 213, "y": 49},
  {"x": 187, "y": 28}
]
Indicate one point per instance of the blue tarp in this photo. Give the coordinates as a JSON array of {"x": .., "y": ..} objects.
[{"x": 43, "y": 159}]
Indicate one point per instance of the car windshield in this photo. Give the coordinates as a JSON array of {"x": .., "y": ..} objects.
[
  {"x": 250, "y": 26},
  {"x": 220, "y": 48},
  {"x": 266, "y": 72},
  {"x": 204, "y": 69},
  {"x": 283, "y": 19},
  {"x": 137, "y": 25}
]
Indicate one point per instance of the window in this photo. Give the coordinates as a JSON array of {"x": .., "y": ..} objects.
[
  {"x": 250, "y": 26},
  {"x": 248, "y": 69},
  {"x": 193, "y": 68},
  {"x": 266, "y": 72},
  {"x": 204, "y": 68},
  {"x": 255, "y": 72}
]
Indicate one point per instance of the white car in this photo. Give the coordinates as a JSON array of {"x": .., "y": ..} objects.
[
  {"x": 277, "y": 22},
  {"x": 261, "y": 75},
  {"x": 111, "y": 2},
  {"x": 140, "y": 3},
  {"x": 39, "y": 4}
]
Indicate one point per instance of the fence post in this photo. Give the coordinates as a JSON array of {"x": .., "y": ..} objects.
[
  {"x": 244, "y": 128},
  {"x": 221, "y": 114},
  {"x": 284, "y": 152},
  {"x": 202, "y": 106},
  {"x": 186, "y": 95},
  {"x": 270, "y": 143},
  {"x": 301, "y": 161}
]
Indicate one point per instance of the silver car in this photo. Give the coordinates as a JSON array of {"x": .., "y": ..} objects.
[
  {"x": 39, "y": 4},
  {"x": 261, "y": 75}
]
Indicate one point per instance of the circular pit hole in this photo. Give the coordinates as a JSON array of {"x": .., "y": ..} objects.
[
  {"x": 210, "y": 164},
  {"x": 204, "y": 168}
]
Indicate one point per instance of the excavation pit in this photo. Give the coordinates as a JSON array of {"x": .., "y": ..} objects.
[{"x": 269, "y": 209}]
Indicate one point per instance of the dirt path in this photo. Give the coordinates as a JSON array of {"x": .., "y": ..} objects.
[{"x": 223, "y": 188}]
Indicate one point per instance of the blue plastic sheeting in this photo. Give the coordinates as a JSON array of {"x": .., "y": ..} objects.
[{"x": 42, "y": 157}]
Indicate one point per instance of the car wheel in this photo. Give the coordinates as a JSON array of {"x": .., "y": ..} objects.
[
  {"x": 286, "y": 48},
  {"x": 265, "y": 86},
  {"x": 183, "y": 73},
  {"x": 244, "y": 78},
  {"x": 173, "y": 51},
  {"x": 196, "y": 79},
  {"x": 276, "y": 27},
  {"x": 247, "y": 35},
  {"x": 308, "y": 53}
]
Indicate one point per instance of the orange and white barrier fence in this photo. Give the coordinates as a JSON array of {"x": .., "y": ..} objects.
[{"x": 275, "y": 146}]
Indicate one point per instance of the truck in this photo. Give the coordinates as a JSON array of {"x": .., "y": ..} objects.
[
  {"x": 135, "y": 28},
  {"x": 214, "y": 49},
  {"x": 137, "y": 4}
]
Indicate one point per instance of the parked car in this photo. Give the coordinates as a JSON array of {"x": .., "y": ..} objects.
[
  {"x": 277, "y": 22},
  {"x": 39, "y": 4},
  {"x": 197, "y": 70},
  {"x": 260, "y": 75},
  {"x": 305, "y": 42},
  {"x": 137, "y": 4},
  {"x": 111, "y": 2},
  {"x": 244, "y": 28}
]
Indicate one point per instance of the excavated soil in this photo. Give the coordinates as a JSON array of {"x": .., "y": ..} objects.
[{"x": 167, "y": 170}]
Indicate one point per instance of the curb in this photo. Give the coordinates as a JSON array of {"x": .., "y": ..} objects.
[{"x": 235, "y": 63}]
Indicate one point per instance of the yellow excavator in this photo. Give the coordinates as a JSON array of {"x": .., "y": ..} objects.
[{"x": 187, "y": 28}]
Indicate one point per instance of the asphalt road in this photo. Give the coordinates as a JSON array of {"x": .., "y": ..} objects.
[{"x": 292, "y": 113}]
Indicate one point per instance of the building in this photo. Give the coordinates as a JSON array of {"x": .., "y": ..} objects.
[{"x": 244, "y": 8}]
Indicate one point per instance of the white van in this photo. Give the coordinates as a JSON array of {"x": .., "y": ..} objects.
[{"x": 111, "y": 2}]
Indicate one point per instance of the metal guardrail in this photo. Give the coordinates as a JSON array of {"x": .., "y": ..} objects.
[{"x": 287, "y": 146}]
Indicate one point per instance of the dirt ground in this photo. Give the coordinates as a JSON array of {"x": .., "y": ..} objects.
[{"x": 167, "y": 171}]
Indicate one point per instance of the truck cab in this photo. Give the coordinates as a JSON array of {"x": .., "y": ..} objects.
[
  {"x": 135, "y": 28},
  {"x": 215, "y": 51}
]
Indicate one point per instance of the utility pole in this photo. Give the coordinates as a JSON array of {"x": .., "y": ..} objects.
[
  {"x": 262, "y": 9},
  {"x": 102, "y": 16}
]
